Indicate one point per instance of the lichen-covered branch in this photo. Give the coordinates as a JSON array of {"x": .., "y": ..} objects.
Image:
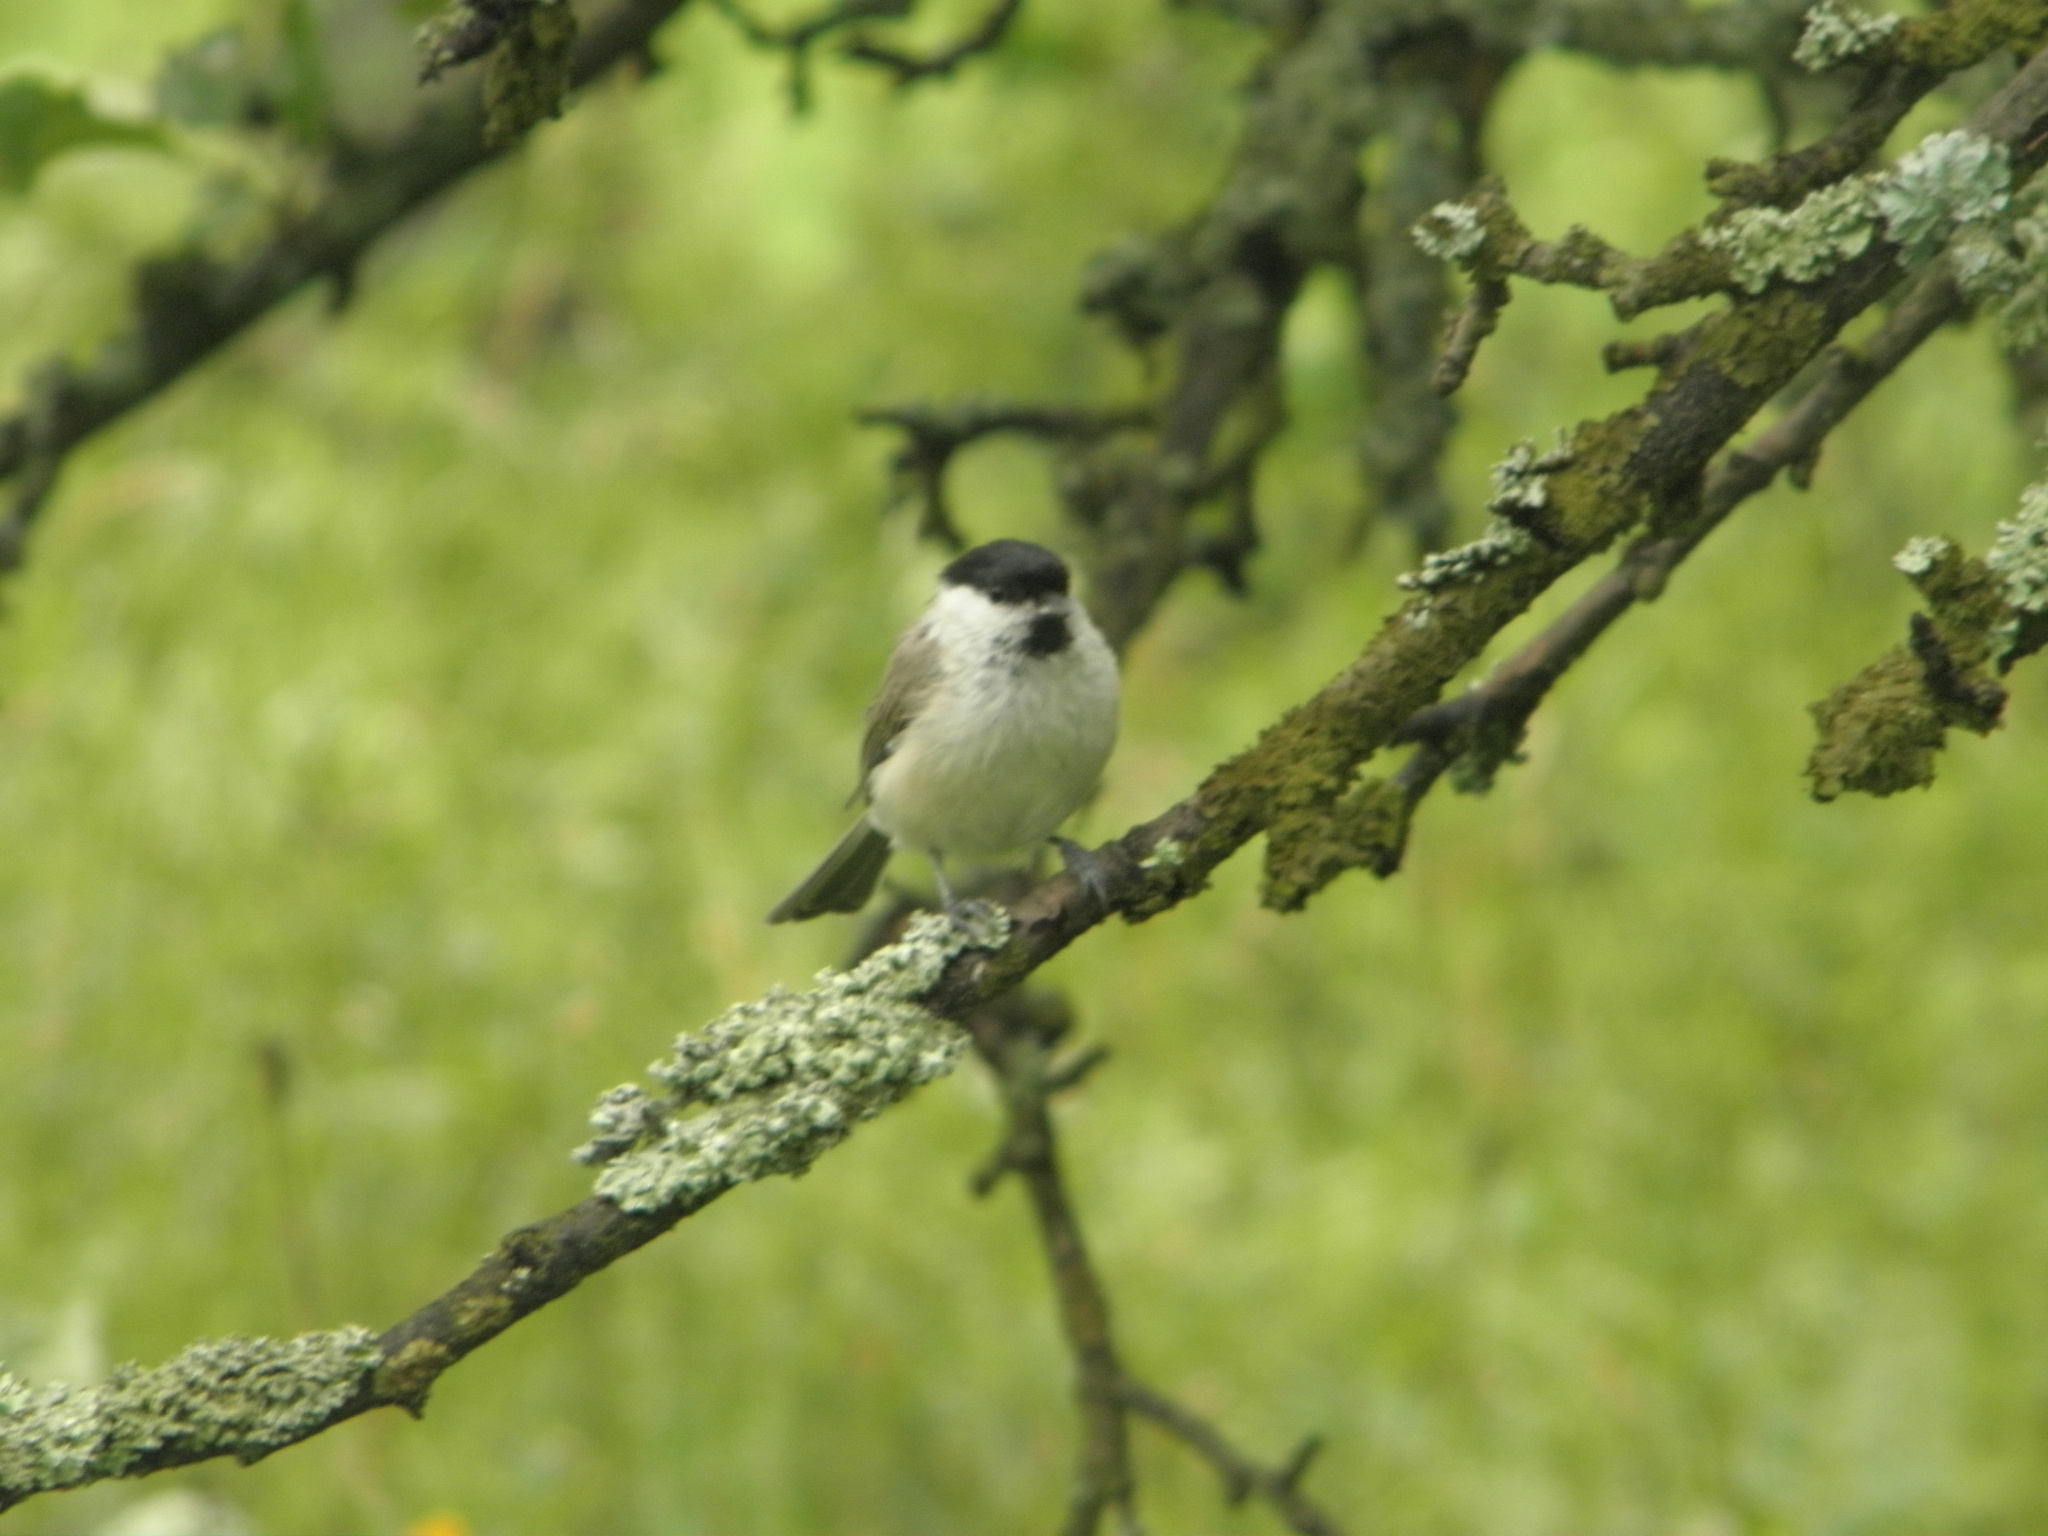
[
  {"x": 238, "y": 1397},
  {"x": 1879, "y": 731},
  {"x": 761, "y": 1091},
  {"x": 772, "y": 1084},
  {"x": 1473, "y": 735},
  {"x": 190, "y": 302}
]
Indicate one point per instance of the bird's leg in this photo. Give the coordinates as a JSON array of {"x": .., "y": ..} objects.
[
  {"x": 1085, "y": 868},
  {"x": 946, "y": 896},
  {"x": 971, "y": 910}
]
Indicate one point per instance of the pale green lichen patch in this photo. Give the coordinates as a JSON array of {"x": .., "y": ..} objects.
[
  {"x": 1501, "y": 543},
  {"x": 2019, "y": 559},
  {"x": 1921, "y": 555},
  {"x": 1450, "y": 231},
  {"x": 225, "y": 1397},
  {"x": 2002, "y": 267},
  {"x": 1950, "y": 180},
  {"x": 780, "y": 1080},
  {"x": 2019, "y": 552},
  {"x": 1167, "y": 853},
  {"x": 1829, "y": 227},
  {"x": 1950, "y": 184},
  {"x": 1520, "y": 481},
  {"x": 1834, "y": 34}
]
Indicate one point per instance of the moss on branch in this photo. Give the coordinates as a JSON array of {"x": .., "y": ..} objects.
[{"x": 1879, "y": 732}]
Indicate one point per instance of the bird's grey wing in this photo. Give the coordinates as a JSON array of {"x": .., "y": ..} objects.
[{"x": 913, "y": 672}]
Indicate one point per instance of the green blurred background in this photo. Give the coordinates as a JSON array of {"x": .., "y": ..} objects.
[{"x": 405, "y": 722}]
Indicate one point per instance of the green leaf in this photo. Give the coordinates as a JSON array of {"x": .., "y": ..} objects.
[{"x": 41, "y": 118}]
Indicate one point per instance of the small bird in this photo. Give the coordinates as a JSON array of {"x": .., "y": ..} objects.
[{"x": 995, "y": 718}]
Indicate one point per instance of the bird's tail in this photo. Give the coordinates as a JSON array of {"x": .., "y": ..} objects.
[{"x": 843, "y": 882}]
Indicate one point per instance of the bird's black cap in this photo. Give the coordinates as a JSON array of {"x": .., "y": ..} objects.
[{"x": 1008, "y": 571}]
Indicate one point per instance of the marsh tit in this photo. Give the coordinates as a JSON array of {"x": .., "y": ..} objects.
[{"x": 995, "y": 718}]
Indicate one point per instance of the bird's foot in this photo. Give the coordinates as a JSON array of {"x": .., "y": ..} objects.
[{"x": 1091, "y": 873}]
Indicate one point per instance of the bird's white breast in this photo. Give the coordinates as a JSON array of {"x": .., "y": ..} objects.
[{"x": 1009, "y": 744}]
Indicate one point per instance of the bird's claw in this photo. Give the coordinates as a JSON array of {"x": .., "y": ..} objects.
[{"x": 1089, "y": 871}]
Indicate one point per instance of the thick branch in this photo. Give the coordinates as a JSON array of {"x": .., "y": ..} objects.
[{"x": 1437, "y": 96}]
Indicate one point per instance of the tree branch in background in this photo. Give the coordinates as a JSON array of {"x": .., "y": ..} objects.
[
  {"x": 799, "y": 39},
  {"x": 189, "y": 302},
  {"x": 933, "y": 434},
  {"x": 1015, "y": 1037},
  {"x": 909, "y": 68},
  {"x": 1216, "y": 292},
  {"x": 1438, "y": 88}
]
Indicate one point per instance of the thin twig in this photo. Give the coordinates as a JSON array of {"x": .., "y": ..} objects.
[
  {"x": 1010, "y": 1037},
  {"x": 1242, "y": 1477},
  {"x": 909, "y": 68},
  {"x": 1476, "y": 320},
  {"x": 933, "y": 434}
]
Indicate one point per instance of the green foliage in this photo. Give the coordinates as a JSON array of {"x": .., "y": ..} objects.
[
  {"x": 42, "y": 118},
  {"x": 405, "y": 724}
]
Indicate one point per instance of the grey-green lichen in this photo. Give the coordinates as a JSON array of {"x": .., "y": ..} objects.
[
  {"x": 2002, "y": 267},
  {"x": 1450, "y": 231},
  {"x": 2019, "y": 559},
  {"x": 778, "y": 1081},
  {"x": 1950, "y": 184},
  {"x": 1167, "y": 853},
  {"x": 1501, "y": 543},
  {"x": 1920, "y": 555},
  {"x": 1834, "y": 34},
  {"x": 1520, "y": 481},
  {"x": 225, "y": 1397}
]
